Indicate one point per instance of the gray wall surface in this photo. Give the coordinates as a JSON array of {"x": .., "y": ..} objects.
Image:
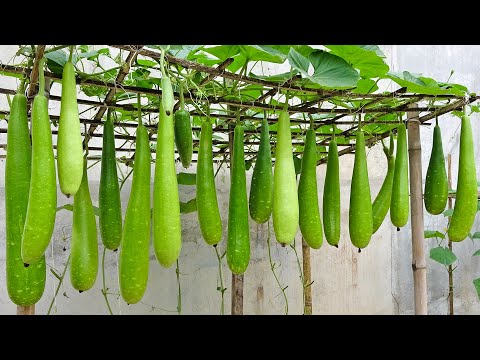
[{"x": 376, "y": 281}]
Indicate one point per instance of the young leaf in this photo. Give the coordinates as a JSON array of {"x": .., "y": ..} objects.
[
  {"x": 448, "y": 212},
  {"x": 189, "y": 206},
  {"x": 476, "y": 253},
  {"x": 476, "y": 235},
  {"x": 443, "y": 255},
  {"x": 433, "y": 234},
  {"x": 187, "y": 178}
]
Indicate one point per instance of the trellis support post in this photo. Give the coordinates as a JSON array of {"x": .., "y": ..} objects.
[{"x": 419, "y": 264}]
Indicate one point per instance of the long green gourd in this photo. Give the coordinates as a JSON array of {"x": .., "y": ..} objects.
[
  {"x": 134, "y": 257},
  {"x": 42, "y": 196},
  {"x": 382, "y": 201},
  {"x": 331, "y": 196},
  {"x": 238, "y": 240},
  {"x": 110, "y": 219},
  {"x": 261, "y": 186},
  {"x": 309, "y": 214},
  {"x": 466, "y": 200},
  {"x": 360, "y": 218},
  {"x": 25, "y": 285},
  {"x": 84, "y": 250},
  {"x": 69, "y": 139},
  {"x": 167, "y": 231},
  {"x": 399, "y": 207},
  {"x": 436, "y": 182},
  {"x": 183, "y": 133},
  {"x": 207, "y": 204},
  {"x": 285, "y": 198}
]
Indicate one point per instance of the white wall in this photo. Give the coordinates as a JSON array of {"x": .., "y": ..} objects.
[{"x": 376, "y": 281}]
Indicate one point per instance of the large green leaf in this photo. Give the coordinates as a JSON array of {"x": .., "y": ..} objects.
[
  {"x": 56, "y": 60},
  {"x": 299, "y": 62},
  {"x": 365, "y": 59},
  {"x": 262, "y": 53},
  {"x": 304, "y": 50},
  {"x": 423, "y": 85},
  {"x": 365, "y": 86},
  {"x": 443, "y": 255},
  {"x": 223, "y": 52},
  {"x": 332, "y": 71}
]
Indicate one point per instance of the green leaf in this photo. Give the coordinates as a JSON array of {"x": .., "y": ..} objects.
[
  {"x": 448, "y": 212},
  {"x": 363, "y": 58},
  {"x": 332, "y": 71},
  {"x": 69, "y": 207},
  {"x": 186, "y": 178},
  {"x": 476, "y": 283},
  {"x": 56, "y": 60},
  {"x": 298, "y": 62},
  {"x": 476, "y": 253},
  {"x": 422, "y": 85},
  {"x": 259, "y": 53},
  {"x": 223, "y": 52},
  {"x": 66, "y": 207},
  {"x": 433, "y": 234},
  {"x": 189, "y": 206},
  {"x": 96, "y": 210},
  {"x": 365, "y": 86},
  {"x": 443, "y": 255},
  {"x": 248, "y": 164},
  {"x": 476, "y": 235},
  {"x": 146, "y": 63},
  {"x": 183, "y": 51},
  {"x": 278, "y": 77},
  {"x": 304, "y": 50},
  {"x": 297, "y": 162}
]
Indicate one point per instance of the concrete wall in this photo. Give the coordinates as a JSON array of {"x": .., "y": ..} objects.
[{"x": 376, "y": 281}]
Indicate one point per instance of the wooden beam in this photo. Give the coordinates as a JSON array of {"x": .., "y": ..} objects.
[{"x": 419, "y": 263}]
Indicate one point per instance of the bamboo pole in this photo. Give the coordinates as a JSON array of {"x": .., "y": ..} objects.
[
  {"x": 419, "y": 264},
  {"x": 26, "y": 310},
  {"x": 450, "y": 268},
  {"x": 307, "y": 279},
  {"x": 237, "y": 280}
]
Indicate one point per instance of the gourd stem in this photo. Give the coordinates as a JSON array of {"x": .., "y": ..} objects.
[
  {"x": 41, "y": 77},
  {"x": 139, "y": 109}
]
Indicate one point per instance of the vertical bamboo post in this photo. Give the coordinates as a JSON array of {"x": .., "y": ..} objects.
[
  {"x": 307, "y": 279},
  {"x": 237, "y": 280},
  {"x": 419, "y": 264},
  {"x": 450, "y": 268}
]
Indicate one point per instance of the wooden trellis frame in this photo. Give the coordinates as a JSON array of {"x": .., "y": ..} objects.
[{"x": 409, "y": 104}]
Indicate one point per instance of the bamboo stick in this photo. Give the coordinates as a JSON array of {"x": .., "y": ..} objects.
[{"x": 419, "y": 265}]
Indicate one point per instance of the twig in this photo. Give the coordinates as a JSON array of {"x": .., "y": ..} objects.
[
  {"x": 272, "y": 267},
  {"x": 221, "y": 288},
  {"x": 179, "y": 295},
  {"x": 60, "y": 281},
  {"x": 105, "y": 289}
]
